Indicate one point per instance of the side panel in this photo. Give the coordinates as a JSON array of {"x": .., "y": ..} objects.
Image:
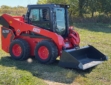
[{"x": 6, "y": 38}]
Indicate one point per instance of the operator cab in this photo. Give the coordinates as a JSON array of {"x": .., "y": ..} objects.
[{"x": 53, "y": 17}]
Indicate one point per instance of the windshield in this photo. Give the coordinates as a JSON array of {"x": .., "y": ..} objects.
[{"x": 60, "y": 21}]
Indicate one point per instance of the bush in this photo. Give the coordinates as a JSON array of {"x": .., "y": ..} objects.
[{"x": 18, "y": 11}]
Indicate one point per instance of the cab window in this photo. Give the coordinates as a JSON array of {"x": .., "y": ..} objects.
[
  {"x": 40, "y": 17},
  {"x": 34, "y": 15}
]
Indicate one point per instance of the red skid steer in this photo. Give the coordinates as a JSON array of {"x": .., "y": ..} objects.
[{"x": 44, "y": 32}]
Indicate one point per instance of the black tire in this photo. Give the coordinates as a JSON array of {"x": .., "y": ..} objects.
[
  {"x": 25, "y": 53},
  {"x": 53, "y": 52}
]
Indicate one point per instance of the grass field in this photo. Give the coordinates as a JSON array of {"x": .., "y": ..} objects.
[{"x": 24, "y": 73}]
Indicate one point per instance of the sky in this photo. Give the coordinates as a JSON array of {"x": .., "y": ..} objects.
[{"x": 13, "y": 3}]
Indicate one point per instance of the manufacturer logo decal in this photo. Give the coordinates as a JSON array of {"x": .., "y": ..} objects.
[
  {"x": 5, "y": 31},
  {"x": 36, "y": 30}
]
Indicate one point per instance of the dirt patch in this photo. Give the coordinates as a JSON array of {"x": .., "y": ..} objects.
[{"x": 57, "y": 83}]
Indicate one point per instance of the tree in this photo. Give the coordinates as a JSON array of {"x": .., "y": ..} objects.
[
  {"x": 73, "y": 10},
  {"x": 5, "y": 7},
  {"x": 92, "y": 6},
  {"x": 105, "y": 6},
  {"x": 42, "y": 1},
  {"x": 81, "y": 7}
]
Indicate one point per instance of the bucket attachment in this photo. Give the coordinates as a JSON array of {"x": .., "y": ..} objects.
[{"x": 82, "y": 58}]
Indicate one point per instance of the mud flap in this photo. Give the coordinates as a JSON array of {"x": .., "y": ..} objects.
[{"x": 82, "y": 58}]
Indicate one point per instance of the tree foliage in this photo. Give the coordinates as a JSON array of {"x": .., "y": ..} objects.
[
  {"x": 81, "y": 7},
  {"x": 19, "y": 10},
  {"x": 99, "y": 9}
]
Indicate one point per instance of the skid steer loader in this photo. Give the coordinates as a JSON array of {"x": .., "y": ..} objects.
[{"x": 44, "y": 32}]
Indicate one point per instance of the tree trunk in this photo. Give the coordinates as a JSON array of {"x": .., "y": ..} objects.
[
  {"x": 92, "y": 14},
  {"x": 81, "y": 3}
]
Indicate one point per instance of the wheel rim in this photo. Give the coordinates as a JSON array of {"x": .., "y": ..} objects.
[
  {"x": 43, "y": 52},
  {"x": 17, "y": 50}
]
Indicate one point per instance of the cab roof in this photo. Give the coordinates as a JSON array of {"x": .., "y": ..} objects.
[{"x": 48, "y": 5}]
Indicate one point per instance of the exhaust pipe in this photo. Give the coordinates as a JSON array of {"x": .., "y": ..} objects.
[{"x": 83, "y": 58}]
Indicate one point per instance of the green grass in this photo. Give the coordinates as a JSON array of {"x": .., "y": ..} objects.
[{"x": 24, "y": 73}]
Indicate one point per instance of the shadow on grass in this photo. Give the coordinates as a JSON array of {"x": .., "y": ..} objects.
[
  {"x": 96, "y": 27},
  {"x": 46, "y": 72}
]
